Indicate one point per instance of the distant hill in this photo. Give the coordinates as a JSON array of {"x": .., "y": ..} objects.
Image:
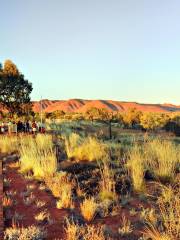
[{"x": 80, "y": 105}]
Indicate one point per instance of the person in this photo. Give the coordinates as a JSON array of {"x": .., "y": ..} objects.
[
  {"x": 2, "y": 127},
  {"x": 14, "y": 128},
  {"x": 27, "y": 126},
  {"x": 9, "y": 127},
  {"x": 34, "y": 127},
  {"x": 19, "y": 126}
]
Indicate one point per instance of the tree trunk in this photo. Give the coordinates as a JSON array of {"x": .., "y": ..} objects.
[{"x": 110, "y": 130}]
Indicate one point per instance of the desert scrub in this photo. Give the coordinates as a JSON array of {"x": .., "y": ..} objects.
[
  {"x": 95, "y": 232},
  {"x": 161, "y": 158},
  {"x": 72, "y": 230},
  {"x": 88, "y": 148},
  {"x": 75, "y": 232},
  {"x": 37, "y": 155},
  {"x": 65, "y": 200},
  {"x": 148, "y": 215},
  {"x": 126, "y": 227},
  {"x": 42, "y": 216},
  {"x": 169, "y": 214},
  {"x": 7, "y": 201},
  {"x": 135, "y": 165},
  {"x": 57, "y": 183},
  {"x": 40, "y": 204},
  {"x": 88, "y": 209},
  {"x": 31, "y": 233},
  {"x": 8, "y": 144},
  {"x": 107, "y": 183}
]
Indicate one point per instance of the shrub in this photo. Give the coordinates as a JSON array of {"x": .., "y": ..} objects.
[{"x": 89, "y": 148}]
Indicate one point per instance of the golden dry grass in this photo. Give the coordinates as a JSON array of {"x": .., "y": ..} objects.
[
  {"x": 37, "y": 155},
  {"x": 89, "y": 148},
  {"x": 88, "y": 209}
]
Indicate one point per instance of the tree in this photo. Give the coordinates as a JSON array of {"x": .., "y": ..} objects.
[
  {"x": 152, "y": 121},
  {"x": 132, "y": 117},
  {"x": 173, "y": 125},
  {"x": 15, "y": 90},
  {"x": 58, "y": 114},
  {"x": 101, "y": 114}
]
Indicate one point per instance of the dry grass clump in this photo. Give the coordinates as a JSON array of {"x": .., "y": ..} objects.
[
  {"x": 57, "y": 183},
  {"x": 32, "y": 232},
  {"x": 88, "y": 209},
  {"x": 126, "y": 227},
  {"x": 95, "y": 232},
  {"x": 40, "y": 204},
  {"x": 135, "y": 164},
  {"x": 61, "y": 188},
  {"x": 65, "y": 200},
  {"x": 169, "y": 214},
  {"x": 37, "y": 155},
  {"x": 161, "y": 158},
  {"x": 72, "y": 230},
  {"x": 9, "y": 144},
  {"x": 7, "y": 201},
  {"x": 42, "y": 216},
  {"x": 88, "y": 148},
  {"x": 107, "y": 183},
  {"x": 148, "y": 215},
  {"x": 153, "y": 233},
  {"x": 75, "y": 232}
]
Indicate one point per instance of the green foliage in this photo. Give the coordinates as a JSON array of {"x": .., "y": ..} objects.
[{"x": 14, "y": 89}]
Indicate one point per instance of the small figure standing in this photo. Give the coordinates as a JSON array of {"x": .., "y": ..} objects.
[
  {"x": 2, "y": 127},
  {"x": 10, "y": 127},
  {"x": 34, "y": 127}
]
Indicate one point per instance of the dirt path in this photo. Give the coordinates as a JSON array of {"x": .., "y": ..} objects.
[{"x": 18, "y": 185}]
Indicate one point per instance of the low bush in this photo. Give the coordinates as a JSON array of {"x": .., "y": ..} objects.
[{"x": 88, "y": 148}]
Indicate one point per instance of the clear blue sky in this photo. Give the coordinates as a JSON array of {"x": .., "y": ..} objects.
[{"x": 95, "y": 49}]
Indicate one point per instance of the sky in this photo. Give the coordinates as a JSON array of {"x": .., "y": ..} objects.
[{"x": 127, "y": 50}]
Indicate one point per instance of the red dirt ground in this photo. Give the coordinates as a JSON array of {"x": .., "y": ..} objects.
[
  {"x": 55, "y": 230},
  {"x": 18, "y": 184}
]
